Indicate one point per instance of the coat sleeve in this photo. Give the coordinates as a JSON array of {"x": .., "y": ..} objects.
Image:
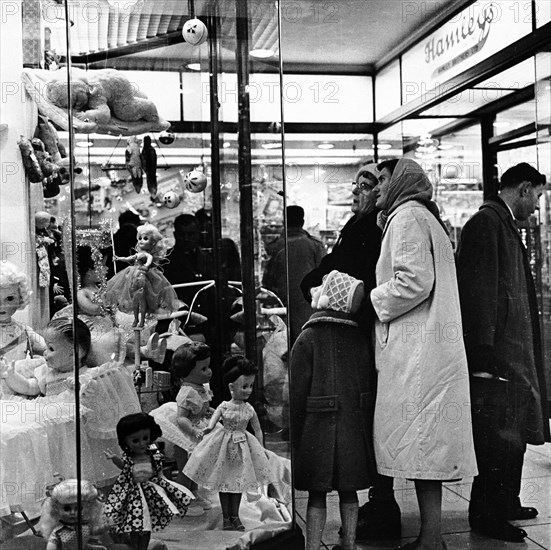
[
  {"x": 314, "y": 277},
  {"x": 412, "y": 265},
  {"x": 301, "y": 366},
  {"x": 478, "y": 279}
]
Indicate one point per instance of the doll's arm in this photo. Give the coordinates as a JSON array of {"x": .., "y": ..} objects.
[
  {"x": 20, "y": 384},
  {"x": 148, "y": 259},
  {"x": 86, "y": 304},
  {"x": 127, "y": 259},
  {"x": 213, "y": 421},
  {"x": 257, "y": 429},
  {"x": 184, "y": 423},
  {"x": 115, "y": 459}
]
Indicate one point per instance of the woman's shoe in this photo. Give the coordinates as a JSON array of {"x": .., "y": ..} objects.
[{"x": 227, "y": 524}]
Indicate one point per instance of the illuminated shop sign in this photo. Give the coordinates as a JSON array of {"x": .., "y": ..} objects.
[{"x": 479, "y": 31}]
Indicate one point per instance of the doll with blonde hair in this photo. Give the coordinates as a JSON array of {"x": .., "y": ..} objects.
[
  {"x": 59, "y": 516},
  {"x": 17, "y": 340},
  {"x": 142, "y": 288}
]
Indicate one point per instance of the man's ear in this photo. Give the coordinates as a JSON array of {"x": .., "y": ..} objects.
[{"x": 524, "y": 188}]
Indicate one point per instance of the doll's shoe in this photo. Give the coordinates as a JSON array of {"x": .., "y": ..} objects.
[
  {"x": 227, "y": 524},
  {"x": 237, "y": 525},
  {"x": 202, "y": 502}
]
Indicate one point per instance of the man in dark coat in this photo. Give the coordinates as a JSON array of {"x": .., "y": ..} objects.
[
  {"x": 356, "y": 252},
  {"x": 503, "y": 344},
  {"x": 303, "y": 253}
]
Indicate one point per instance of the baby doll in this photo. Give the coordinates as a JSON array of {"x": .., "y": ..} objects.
[
  {"x": 142, "y": 288},
  {"x": 55, "y": 374},
  {"x": 92, "y": 280},
  {"x": 183, "y": 421},
  {"x": 142, "y": 499},
  {"x": 16, "y": 339},
  {"x": 59, "y": 516},
  {"x": 232, "y": 460},
  {"x": 332, "y": 381}
]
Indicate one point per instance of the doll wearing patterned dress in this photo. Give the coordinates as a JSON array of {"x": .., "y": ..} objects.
[
  {"x": 142, "y": 499},
  {"x": 231, "y": 460},
  {"x": 142, "y": 288},
  {"x": 183, "y": 421}
]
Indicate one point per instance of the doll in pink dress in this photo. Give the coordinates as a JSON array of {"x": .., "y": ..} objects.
[
  {"x": 184, "y": 420},
  {"x": 142, "y": 288},
  {"x": 232, "y": 460}
]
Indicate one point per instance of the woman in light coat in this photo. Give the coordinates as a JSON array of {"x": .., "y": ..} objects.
[{"x": 422, "y": 425}]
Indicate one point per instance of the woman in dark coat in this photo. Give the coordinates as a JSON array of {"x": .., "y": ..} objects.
[{"x": 332, "y": 396}]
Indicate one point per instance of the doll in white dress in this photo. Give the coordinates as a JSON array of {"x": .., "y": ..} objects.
[{"x": 232, "y": 460}]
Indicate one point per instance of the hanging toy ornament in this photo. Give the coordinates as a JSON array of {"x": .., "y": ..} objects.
[
  {"x": 171, "y": 199},
  {"x": 166, "y": 138},
  {"x": 195, "y": 32},
  {"x": 195, "y": 181}
]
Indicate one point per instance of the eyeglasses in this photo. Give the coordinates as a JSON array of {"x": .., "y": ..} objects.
[{"x": 363, "y": 186}]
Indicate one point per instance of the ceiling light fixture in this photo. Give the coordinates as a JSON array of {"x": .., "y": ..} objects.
[
  {"x": 227, "y": 144},
  {"x": 326, "y": 146},
  {"x": 272, "y": 145},
  {"x": 84, "y": 144},
  {"x": 501, "y": 124},
  {"x": 446, "y": 146},
  {"x": 384, "y": 146},
  {"x": 193, "y": 66},
  {"x": 261, "y": 53}
]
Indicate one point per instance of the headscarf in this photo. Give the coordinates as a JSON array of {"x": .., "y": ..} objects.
[
  {"x": 408, "y": 183},
  {"x": 370, "y": 168}
]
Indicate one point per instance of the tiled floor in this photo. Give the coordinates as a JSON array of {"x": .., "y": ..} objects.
[{"x": 536, "y": 491}]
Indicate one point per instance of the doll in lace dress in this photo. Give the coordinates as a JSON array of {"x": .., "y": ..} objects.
[{"x": 232, "y": 460}]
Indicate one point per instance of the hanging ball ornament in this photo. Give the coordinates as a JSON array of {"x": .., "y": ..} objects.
[
  {"x": 171, "y": 199},
  {"x": 166, "y": 138},
  {"x": 195, "y": 181},
  {"x": 195, "y": 32},
  {"x": 274, "y": 127}
]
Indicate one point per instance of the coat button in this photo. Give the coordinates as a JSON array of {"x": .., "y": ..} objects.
[{"x": 331, "y": 403}]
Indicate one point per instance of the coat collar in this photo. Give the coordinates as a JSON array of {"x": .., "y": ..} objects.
[
  {"x": 330, "y": 316},
  {"x": 502, "y": 210}
]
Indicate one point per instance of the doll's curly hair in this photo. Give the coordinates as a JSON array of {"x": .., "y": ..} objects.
[
  {"x": 235, "y": 366},
  {"x": 65, "y": 492},
  {"x": 133, "y": 423},
  {"x": 10, "y": 274},
  {"x": 186, "y": 356}
]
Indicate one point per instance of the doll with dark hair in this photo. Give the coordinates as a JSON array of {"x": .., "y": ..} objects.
[
  {"x": 142, "y": 499},
  {"x": 232, "y": 460},
  {"x": 183, "y": 421},
  {"x": 55, "y": 373}
]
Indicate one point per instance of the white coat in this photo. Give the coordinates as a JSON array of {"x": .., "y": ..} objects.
[{"x": 422, "y": 425}]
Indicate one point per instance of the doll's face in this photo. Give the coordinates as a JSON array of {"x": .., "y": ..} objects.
[
  {"x": 68, "y": 513},
  {"x": 146, "y": 240},
  {"x": 138, "y": 442},
  {"x": 243, "y": 387},
  {"x": 201, "y": 373},
  {"x": 59, "y": 351},
  {"x": 9, "y": 302}
]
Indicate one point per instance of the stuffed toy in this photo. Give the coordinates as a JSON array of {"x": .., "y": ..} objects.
[
  {"x": 48, "y": 134},
  {"x": 44, "y": 239},
  {"x": 101, "y": 94},
  {"x": 30, "y": 162}
]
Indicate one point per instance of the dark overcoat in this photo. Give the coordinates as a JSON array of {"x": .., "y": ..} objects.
[
  {"x": 356, "y": 253},
  {"x": 332, "y": 383},
  {"x": 500, "y": 312}
]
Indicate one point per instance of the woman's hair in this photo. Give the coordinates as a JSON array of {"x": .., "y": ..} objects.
[
  {"x": 159, "y": 248},
  {"x": 132, "y": 423},
  {"x": 235, "y": 366},
  {"x": 65, "y": 492},
  {"x": 186, "y": 356},
  {"x": 389, "y": 164},
  {"x": 10, "y": 274},
  {"x": 64, "y": 325}
]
